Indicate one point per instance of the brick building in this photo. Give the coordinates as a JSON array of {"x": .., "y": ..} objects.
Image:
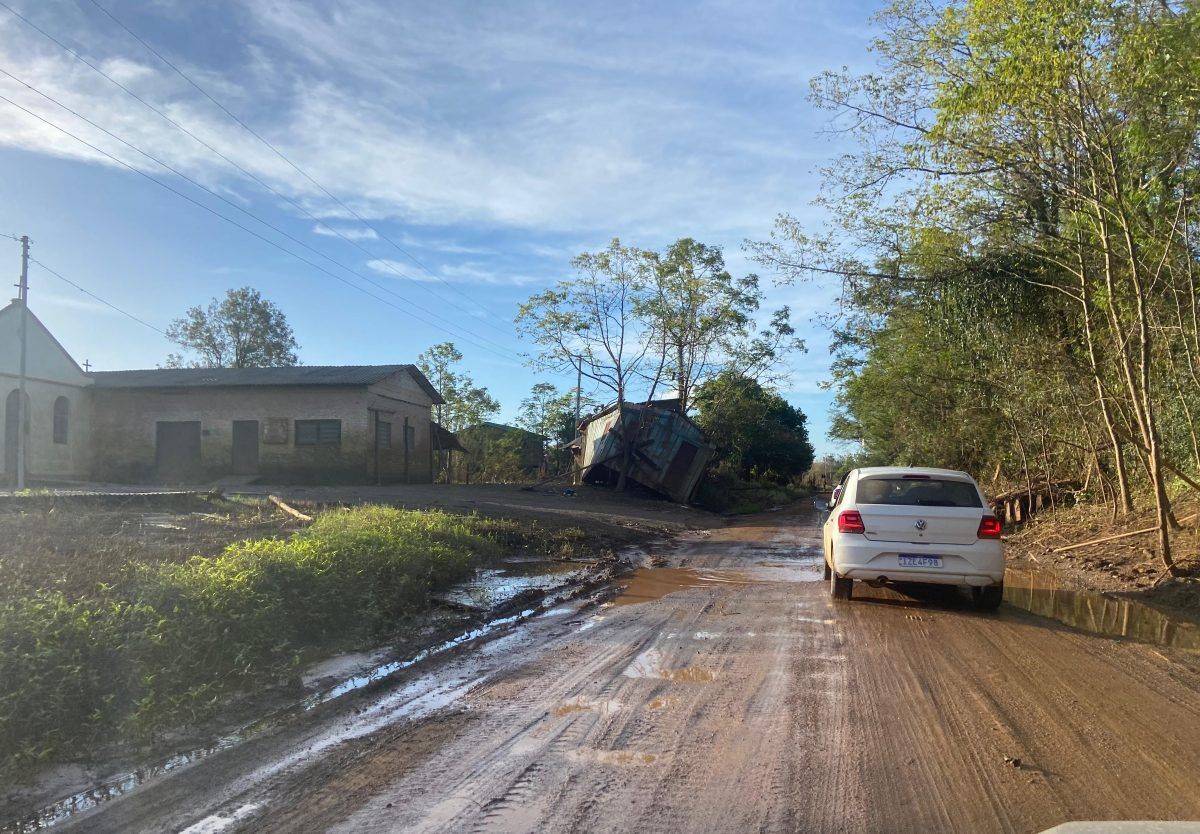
[{"x": 313, "y": 424}]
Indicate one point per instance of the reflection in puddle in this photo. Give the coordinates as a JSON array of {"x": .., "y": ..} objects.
[
  {"x": 1040, "y": 593},
  {"x": 649, "y": 664},
  {"x": 492, "y": 586}
]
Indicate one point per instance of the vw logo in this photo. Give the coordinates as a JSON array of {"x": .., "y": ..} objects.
[{"x": 920, "y": 525}]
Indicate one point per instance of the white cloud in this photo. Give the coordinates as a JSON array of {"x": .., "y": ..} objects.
[
  {"x": 349, "y": 233},
  {"x": 522, "y": 116}
]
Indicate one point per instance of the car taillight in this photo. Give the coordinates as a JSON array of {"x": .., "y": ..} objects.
[
  {"x": 851, "y": 522},
  {"x": 989, "y": 527}
]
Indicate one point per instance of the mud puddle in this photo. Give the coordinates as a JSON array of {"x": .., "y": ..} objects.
[
  {"x": 651, "y": 664},
  {"x": 1041, "y": 593},
  {"x": 648, "y": 584},
  {"x": 493, "y": 586}
]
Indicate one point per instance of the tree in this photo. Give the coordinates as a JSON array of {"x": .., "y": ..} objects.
[
  {"x": 467, "y": 404},
  {"x": 1048, "y": 149},
  {"x": 699, "y": 311},
  {"x": 242, "y": 330},
  {"x": 593, "y": 324},
  {"x": 758, "y": 434}
]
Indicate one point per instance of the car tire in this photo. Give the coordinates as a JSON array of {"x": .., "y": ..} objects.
[
  {"x": 828, "y": 570},
  {"x": 840, "y": 587},
  {"x": 989, "y": 598}
]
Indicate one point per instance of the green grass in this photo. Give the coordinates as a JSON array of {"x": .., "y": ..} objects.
[{"x": 159, "y": 643}]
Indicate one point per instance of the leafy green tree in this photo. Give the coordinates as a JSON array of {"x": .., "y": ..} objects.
[
  {"x": 241, "y": 330},
  {"x": 593, "y": 324},
  {"x": 467, "y": 404},
  {"x": 758, "y": 434}
]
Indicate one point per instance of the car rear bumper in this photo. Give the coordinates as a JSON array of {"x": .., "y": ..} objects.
[{"x": 977, "y": 565}]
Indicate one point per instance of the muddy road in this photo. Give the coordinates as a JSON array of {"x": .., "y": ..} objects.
[{"x": 725, "y": 691}]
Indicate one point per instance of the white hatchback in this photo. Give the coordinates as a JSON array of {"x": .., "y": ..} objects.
[{"x": 900, "y": 524}]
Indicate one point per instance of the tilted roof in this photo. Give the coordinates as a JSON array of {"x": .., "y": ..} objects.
[{"x": 292, "y": 375}]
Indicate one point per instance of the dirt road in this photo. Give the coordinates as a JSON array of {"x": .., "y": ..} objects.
[{"x": 726, "y": 692}]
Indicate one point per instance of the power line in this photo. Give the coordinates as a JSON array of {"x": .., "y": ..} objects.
[
  {"x": 388, "y": 265},
  {"x": 246, "y": 212},
  {"x": 278, "y": 152},
  {"x": 217, "y": 214},
  {"x": 95, "y": 297}
]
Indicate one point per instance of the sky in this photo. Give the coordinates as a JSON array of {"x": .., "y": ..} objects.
[{"x": 483, "y": 144}]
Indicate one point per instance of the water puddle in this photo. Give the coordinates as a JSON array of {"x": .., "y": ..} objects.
[
  {"x": 650, "y": 664},
  {"x": 586, "y": 705},
  {"x": 647, "y": 584},
  {"x": 492, "y": 586},
  {"x": 613, "y": 757},
  {"x": 1040, "y": 592}
]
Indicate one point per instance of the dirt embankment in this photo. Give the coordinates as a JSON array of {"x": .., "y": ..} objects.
[{"x": 1090, "y": 551}]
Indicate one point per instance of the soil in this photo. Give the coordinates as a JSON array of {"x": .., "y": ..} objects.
[
  {"x": 1128, "y": 568},
  {"x": 722, "y": 689}
]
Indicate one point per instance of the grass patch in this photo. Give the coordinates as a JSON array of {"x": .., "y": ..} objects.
[
  {"x": 721, "y": 492},
  {"x": 133, "y": 646}
]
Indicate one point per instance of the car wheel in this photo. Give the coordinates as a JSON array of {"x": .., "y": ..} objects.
[
  {"x": 840, "y": 587},
  {"x": 989, "y": 598},
  {"x": 828, "y": 570}
]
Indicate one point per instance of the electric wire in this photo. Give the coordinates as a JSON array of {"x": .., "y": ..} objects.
[
  {"x": 95, "y": 297},
  {"x": 217, "y": 214},
  {"x": 256, "y": 218},
  {"x": 278, "y": 152},
  {"x": 299, "y": 207}
]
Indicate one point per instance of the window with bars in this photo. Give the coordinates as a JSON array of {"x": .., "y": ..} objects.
[
  {"x": 383, "y": 434},
  {"x": 410, "y": 438},
  {"x": 318, "y": 432}
]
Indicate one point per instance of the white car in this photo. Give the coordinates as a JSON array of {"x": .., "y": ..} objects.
[{"x": 900, "y": 524}]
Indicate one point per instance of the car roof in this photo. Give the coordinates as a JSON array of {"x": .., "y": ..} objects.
[{"x": 881, "y": 471}]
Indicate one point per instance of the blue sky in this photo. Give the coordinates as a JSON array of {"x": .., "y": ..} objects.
[{"x": 489, "y": 141}]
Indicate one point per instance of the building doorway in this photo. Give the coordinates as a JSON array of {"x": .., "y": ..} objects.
[
  {"x": 11, "y": 422},
  {"x": 177, "y": 451},
  {"x": 245, "y": 447}
]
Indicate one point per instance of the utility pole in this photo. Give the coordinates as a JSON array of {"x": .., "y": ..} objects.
[{"x": 22, "y": 415}]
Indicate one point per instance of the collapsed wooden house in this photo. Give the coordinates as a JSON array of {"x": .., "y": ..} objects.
[{"x": 670, "y": 452}]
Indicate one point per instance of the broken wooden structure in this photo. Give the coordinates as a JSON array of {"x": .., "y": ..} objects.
[
  {"x": 670, "y": 452},
  {"x": 1018, "y": 505}
]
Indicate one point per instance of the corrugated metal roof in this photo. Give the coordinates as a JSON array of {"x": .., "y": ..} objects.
[{"x": 292, "y": 375}]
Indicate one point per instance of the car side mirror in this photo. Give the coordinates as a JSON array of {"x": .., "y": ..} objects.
[{"x": 822, "y": 505}]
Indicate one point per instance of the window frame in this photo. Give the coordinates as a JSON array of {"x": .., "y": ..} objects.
[
  {"x": 316, "y": 428},
  {"x": 61, "y": 422}
]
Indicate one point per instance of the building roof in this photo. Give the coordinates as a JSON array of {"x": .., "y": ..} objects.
[
  {"x": 354, "y": 375},
  {"x": 445, "y": 439}
]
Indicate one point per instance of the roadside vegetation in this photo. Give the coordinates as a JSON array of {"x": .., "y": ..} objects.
[
  {"x": 124, "y": 640},
  {"x": 1015, "y": 238}
]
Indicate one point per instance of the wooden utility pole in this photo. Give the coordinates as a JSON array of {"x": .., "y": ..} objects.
[{"x": 22, "y": 397}]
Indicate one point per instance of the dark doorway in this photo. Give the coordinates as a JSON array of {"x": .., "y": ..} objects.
[
  {"x": 245, "y": 447},
  {"x": 681, "y": 465},
  {"x": 177, "y": 451}
]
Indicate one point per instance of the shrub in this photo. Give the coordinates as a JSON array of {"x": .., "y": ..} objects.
[{"x": 163, "y": 643}]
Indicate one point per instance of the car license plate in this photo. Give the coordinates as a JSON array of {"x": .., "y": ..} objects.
[{"x": 910, "y": 560}]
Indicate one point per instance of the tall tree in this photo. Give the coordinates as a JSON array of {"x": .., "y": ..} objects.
[
  {"x": 467, "y": 404},
  {"x": 699, "y": 310},
  {"x": 241, "y": 330},
  {"x": 593, "y": 324}
]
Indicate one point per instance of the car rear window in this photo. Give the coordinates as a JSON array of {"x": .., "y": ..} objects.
[{"x": 917, "y": 492}]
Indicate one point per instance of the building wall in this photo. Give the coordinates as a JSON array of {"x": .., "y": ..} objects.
[
  {"x": 124, "y": 432},
  {"x": 50, "y": 374},
  {"x": 396, "y": 463},
  {"x": 45, "y": 459}
]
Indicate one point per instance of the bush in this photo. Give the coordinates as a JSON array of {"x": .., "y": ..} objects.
[{"x": 163, "y": 643}]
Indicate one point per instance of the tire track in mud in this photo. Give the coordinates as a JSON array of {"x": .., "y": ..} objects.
[{"x": 760, "y": 704}]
